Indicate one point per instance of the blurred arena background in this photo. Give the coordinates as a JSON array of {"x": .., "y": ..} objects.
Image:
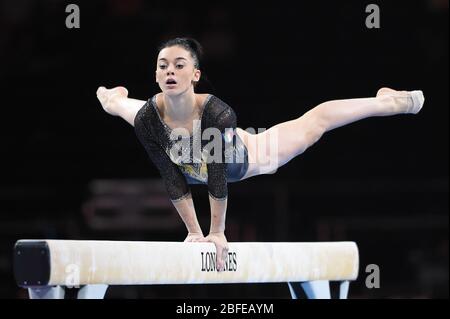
[{"x": 71, "y": 171}]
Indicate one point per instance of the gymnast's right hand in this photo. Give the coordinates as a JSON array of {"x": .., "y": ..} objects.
[
  {"x": 109, "y": 97},
  {"x": 194, "y": 237}
]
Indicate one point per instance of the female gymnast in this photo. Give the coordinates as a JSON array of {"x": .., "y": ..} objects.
[{"x": 178, "y": 107}]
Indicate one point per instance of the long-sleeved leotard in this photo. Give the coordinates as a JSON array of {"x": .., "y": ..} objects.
[{"x": 180, "y": 170}]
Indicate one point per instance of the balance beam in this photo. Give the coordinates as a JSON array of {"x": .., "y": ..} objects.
[{"x": 45, "y": 266}]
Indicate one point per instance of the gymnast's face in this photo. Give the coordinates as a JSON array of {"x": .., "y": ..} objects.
[{"x": 175, "y": 70}]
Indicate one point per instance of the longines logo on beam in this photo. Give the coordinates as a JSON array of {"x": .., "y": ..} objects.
[{"x": 209, "y": 262}]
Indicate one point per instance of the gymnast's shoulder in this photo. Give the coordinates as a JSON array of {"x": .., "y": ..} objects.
[{"x": 216, "y": 109}]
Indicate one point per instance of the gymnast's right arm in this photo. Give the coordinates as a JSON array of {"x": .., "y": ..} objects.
[{"x": 176, "y": 184}]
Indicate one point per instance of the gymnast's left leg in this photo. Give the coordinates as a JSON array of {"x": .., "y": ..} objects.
[{"x": 295, "y": 136}]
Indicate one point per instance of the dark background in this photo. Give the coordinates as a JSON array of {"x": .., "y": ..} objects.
[{"x": 71, "y": 171}]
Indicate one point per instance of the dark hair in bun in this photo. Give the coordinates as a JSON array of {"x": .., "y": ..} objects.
[{"x": 191, "y": 45}]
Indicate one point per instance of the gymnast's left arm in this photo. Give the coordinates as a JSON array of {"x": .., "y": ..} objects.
[
  {"x": 217, "y": 230},
  {"x": 218, "y": 189}
]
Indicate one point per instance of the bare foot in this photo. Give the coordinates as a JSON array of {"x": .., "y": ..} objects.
[
  {"x": 406, "y": 101},
  {"x": 108, "y": 96}
]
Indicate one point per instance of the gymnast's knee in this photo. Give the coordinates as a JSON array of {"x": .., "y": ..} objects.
[
  {"x": 310, "y": 135},
  {"x": 314, "y": 129}
]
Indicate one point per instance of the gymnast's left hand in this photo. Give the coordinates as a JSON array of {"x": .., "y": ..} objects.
[{"x": 221, "y": 243}]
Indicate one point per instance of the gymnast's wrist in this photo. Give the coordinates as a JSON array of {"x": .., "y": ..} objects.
[
  {"x": 194, "y": 229},
  {"x": 217, "y": 231},
  {"x": 217, "y": 226}
]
